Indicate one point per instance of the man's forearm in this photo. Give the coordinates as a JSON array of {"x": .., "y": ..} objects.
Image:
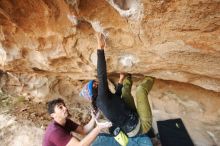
[
  {"x": 86, "y": 141},
  {"x": 88, "y": 127}
]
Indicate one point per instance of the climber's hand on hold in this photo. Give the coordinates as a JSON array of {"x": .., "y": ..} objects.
[
  {"x": 100, "y": 40},
  {"x": 121, "y": 78}
]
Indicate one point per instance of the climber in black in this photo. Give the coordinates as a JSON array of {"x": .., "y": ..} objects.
[{"x": 120, "y": 108}]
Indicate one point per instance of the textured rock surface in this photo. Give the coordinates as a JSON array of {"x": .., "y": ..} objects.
[
  {"x": 43, "y": 53},
  {"x": 172, "y": 40}
]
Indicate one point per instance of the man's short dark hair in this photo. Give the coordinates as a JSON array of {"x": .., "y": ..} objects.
[{"x": 51, "y": 104}]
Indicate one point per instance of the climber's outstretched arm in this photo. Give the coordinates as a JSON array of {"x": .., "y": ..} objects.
[{"x": 101, "y": 67}]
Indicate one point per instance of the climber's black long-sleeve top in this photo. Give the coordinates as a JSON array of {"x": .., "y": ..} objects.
[{"x": 112, "y": 105}]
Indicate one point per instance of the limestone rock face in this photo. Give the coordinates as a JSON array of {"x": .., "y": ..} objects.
[
  {"x": 171, "y": 40},
  {"x": 48, "y": 48}
]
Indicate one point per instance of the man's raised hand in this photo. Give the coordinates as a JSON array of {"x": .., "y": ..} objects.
[{"x": 103, "y": 125}]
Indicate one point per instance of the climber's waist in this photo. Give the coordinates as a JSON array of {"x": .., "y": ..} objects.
[{"x": 132, "y": 126}]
